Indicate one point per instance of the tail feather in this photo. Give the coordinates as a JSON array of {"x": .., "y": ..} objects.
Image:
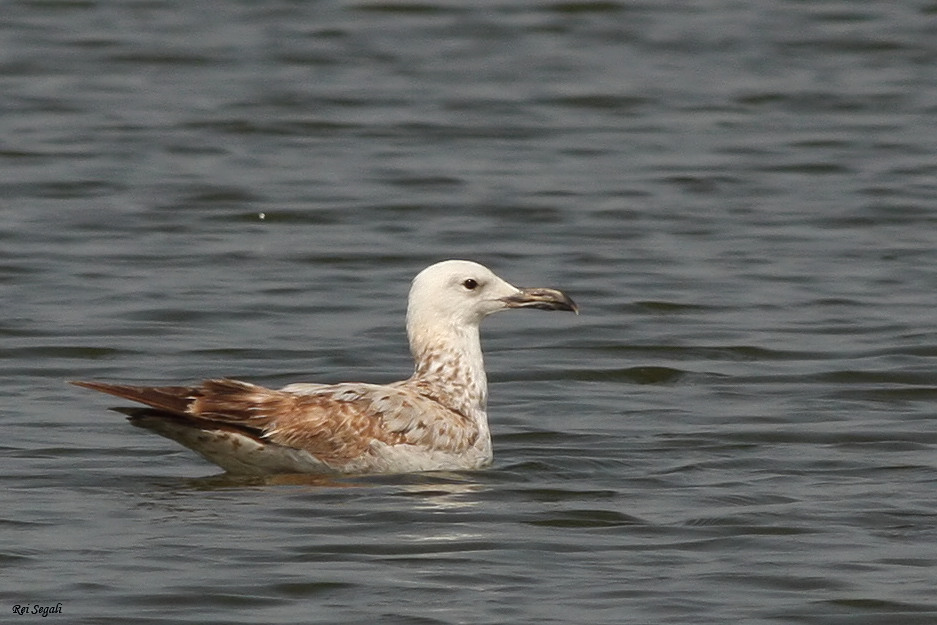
[
  {"x": 172, "y": 399},
  {"x": 167, "y": 423},
  {"x": 213, "y": 401},
  {"x": 227, "y": 422}
]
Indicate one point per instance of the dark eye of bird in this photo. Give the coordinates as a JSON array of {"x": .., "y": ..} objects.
[{"x": 470, "y": 284}]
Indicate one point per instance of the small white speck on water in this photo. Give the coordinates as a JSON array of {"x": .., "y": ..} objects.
[{"x": 261, "y": 216}]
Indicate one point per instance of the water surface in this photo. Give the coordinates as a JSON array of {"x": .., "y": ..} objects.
[{"x": 739, "y": 428}]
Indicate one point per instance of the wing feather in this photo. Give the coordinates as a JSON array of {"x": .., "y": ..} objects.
[
  {"x": 338, "y": 424},
  {"x": 174, "y": 399}
]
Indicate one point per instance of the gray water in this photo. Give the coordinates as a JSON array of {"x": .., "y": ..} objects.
[{"x": 741, "y": 427}]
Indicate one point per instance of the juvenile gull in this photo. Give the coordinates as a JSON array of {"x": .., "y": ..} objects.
[{"x": 434, "y": 420}]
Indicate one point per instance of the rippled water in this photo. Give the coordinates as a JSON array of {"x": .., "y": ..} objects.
[{"x": 740, "y": 428}]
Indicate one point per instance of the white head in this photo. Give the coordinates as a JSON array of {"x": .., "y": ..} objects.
[
  {"x": 453, "y": 296},
  {"x": 447, "y": 302},
  {"x": 456, "y": 292}
]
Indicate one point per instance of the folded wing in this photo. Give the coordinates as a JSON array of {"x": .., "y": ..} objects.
[{"x": 344, "y": 427}]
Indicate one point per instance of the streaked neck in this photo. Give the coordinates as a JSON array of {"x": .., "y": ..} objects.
[{"x": 449, "y": 367}]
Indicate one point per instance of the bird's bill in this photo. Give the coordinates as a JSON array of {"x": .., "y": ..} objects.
[{"x": 541, "y": 298}]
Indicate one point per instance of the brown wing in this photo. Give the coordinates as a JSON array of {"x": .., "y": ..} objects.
[
  {"x": 174, "y": 399},
  {"x": 337, "y": 425}
]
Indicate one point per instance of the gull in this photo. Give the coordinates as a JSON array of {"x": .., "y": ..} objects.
[{"x": 436, "y": 420}]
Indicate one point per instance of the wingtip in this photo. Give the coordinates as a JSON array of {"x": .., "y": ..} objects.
[
  {"x": 168, "y": 398},
  {"x": 85, "y": 384},
  {"x": 101, "y": 387}
]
